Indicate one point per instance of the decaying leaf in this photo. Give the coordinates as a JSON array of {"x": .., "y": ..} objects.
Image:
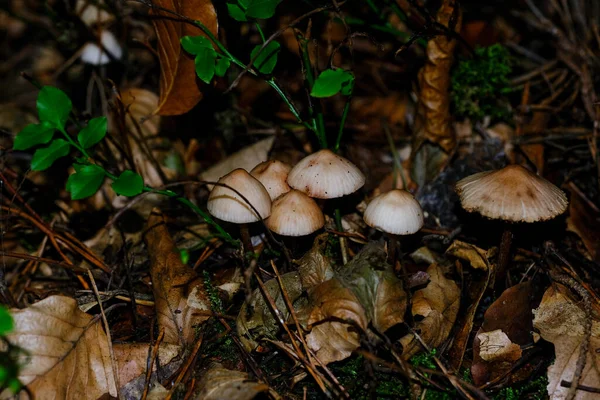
[
  {"x": 247, "y": 158},
  {"x": 315, "y": 267},
  {"x": 432, "y": 121},
  {"x": 179, "y": 91},
  {"x": 179, "y": 294},
  {"x": 221, "y": 383},
  {"x": 478, "y": 258},
  {"x": 560, "y": 320},
  {"x": 496, "y": 346},
  {"x": 67, "y": 351},
  {"x": 584, "y": 220},
  {"x": 438, "y": 305},
  {"x": 132, "y": 359}
]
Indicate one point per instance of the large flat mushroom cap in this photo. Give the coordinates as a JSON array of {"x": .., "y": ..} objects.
[
  {"x": 325, "y": 175},
  {"x": 295, "y": 214},
  {"x": 396, "y": 212},
  {"x": 226, "y": 205},
  {"x": 511, "y": 194},
  {"x": 273, "y": 175}
]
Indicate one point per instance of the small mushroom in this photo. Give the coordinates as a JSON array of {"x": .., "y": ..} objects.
[
  {"x": 295, "y": 214},
  {"x": 227, "y": 205},
  {"x": 93, "y": 54},
  {"x": 273, "y": 175},
  {"x": 396, "y": 213},
  {"x": 511, "y": 194}
]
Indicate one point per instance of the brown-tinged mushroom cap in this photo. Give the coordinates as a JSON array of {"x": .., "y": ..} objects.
[
  {"x": 295, "y": 214},
  {"x": 396, "y": 212},
  {"x": 273, "y": 175},
  {"x": 325, "y": 175},
  {"x": 511, "y": 194},
  {"x": 226, "y": 205}
]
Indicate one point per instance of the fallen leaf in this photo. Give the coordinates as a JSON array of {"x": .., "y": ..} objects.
[
  {"x": 478, "y": 258},
  {"x": 437, "y": 305},
  {"x": 584, "y": 220},
  {"x": 496, "y": 346},
  {"x": 179, "y": 294},
  {"x": 179, "y": 91},
  {"x": 247, "y": 158},
  {"x": 67, "y": 354},
  {"x": 221, "y": 383},
  {"x": 560, "y": 321},
  {"x": 314, "y": 266},
  {"x": 132, "y": 359}
]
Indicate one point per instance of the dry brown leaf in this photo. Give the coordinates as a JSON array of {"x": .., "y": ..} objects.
[
  {"x": 337, "y": 318},
  {"x": 221, "y": 383},
  {"x": 247, "y": 158},
  {"x": 496, "y": 346},
  {"x": 315, "y": 267},
  {"x": 584, "y": 220},
  {"x": 432, "y": 121},
  {"x": 179, "y": 294},
  {"x": 67, "y": 354},
  {"x": 179, "y": 91},
  {"x": 132, "y": 359},
  {"x": 438, "y": 305},
  {"x": 560, "y": 321},
  {"x": 478, "y": 258}
]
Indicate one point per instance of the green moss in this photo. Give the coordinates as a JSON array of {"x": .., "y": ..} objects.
[
  {"x": 534, "y": 389},
  {"x": 213, "y": 294},
  {"x": 479, "y": 85}
]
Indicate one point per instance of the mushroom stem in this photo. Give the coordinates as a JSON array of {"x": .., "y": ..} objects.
[
  {"x": 503, "y": 258},
  {"x": 245, "y": 236},
  {"x": 393, "y": 249}
]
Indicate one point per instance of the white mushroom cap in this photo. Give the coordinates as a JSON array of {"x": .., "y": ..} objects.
[
  {"x": 396, "y": 212},
  {"x": 91, "y": 14},
  {"x": 226, "y": 205},
  {"x": 325, "y": 175},
  {"x": 295, "y": 214},
  {"x": 95, "y": 55},
  {"x": 511, "y": 194},
  {"x": 273, "y": 175}
]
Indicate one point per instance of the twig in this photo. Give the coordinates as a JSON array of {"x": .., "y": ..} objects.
[{"x": 150, "y": 363}]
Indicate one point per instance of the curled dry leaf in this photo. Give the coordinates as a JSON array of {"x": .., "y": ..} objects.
[
  {"x": 67, "y": 354},
  {"x": 496, "y": 346},
  {"x": 560, "y": 320},
  {"x": 179, "y": 91},
  {"x": 315, "y": 267},
  {"x": 438, "y": 305},
  {"x": 432, "y": 121},
  {"x": 221, "y": 383},
  {"x": 478, "y": 258},
  {"x": 132, "y": 359},
  {"x": 179, "y": 294}
]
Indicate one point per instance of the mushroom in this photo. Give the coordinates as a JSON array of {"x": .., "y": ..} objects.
[
  {"x": 93, "y": 54},
  {"x": 273, "y": 175},
  {"x": 295, "y": 214},
  {"x": 227, "y": 205},
  {"x": 511, "y": 194},
  {"x": 325, "y": 175},
  {"x": 396, "y": 213}
]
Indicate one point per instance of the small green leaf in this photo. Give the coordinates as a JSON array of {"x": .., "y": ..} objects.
[
  {"x": 33, "y": 135},
  {"x": 267, "y": 59},
  {"x": 205, "y": 64},
  {"x": 93, "y": 132},
  {"x": 43, "y": 158},
  {"x": 331, "y": 82},
  {"x": 128, "y": 184},
  {"x": 85, "y": 182},
  {"x": 195, "y": 44},
  {"x": 54, "y": 106},
  {"x": 184, "y": 254},
  {"x": 222, "y": 66},
  {"x": 236, "y": 12},
  {"x": 262, "y": 9},
  {"x": 6, "y": 321}
]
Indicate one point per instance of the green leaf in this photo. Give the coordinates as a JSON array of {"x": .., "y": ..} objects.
[
  {"x": 195, "y": 44},
  {"x": 267, "y": 59},
  {"x": 6, "y": 322},
  {"x": 34, "y": 134},
  {"x": 222, "y": 66},
  {"x": 54, "y": 106},
  {"x": 236, "y": 12},
  {"x": 43, "y": 158},
  {"x": 85, "y": 182},
  {"x": 205, "y": 64},
  {"x": 93, "y": 132},
  {"x": 331, "y": 82},
  {"x": 261, "y": 8},
  {"x": 128, "y": 184}
]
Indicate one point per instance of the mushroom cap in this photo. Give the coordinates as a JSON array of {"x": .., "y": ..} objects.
[
  {"x": 93, "y": 54},
  {"x": 273, "y": 175},
  {"x": 295, "y": 214},
  {"x": 513, "y": 194},
  {"x": 325, "y": 175},
  {"x": 226, "y": 205},
  {"x": 396, "y": 212}
]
